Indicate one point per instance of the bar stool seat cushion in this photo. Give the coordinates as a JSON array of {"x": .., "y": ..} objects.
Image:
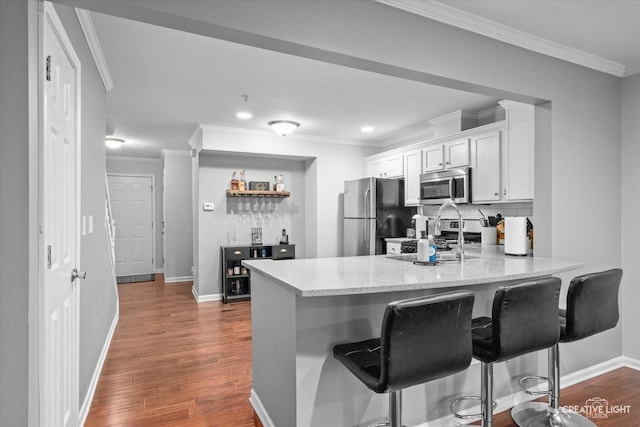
[{"x": 363, "y": 360}]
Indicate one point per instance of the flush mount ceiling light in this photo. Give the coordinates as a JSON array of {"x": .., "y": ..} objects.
[
  {"x": 112, "y": 142},
  {"x": 244, "y": 115},
  {"x": 367, "y": 129},
  {"x": 283, "y": 127}
]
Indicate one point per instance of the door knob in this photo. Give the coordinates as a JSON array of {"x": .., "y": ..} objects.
[{"x": 75, "y": 274}]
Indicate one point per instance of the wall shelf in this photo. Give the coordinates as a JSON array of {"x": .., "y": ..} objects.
[{"x": 257, "y": 193}]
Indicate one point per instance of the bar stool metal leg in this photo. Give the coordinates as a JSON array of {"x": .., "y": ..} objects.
[
  {"x": 538, "y": 414},
  {"x": 395, "y": 408},
  {"x": 486, "y": 393}
]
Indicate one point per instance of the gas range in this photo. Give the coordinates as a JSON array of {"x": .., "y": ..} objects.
[{"x": 471, "y": 231}]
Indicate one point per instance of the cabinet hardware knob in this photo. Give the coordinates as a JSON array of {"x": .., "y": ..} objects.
[
  {"x": 496, "y": 194},
  {"x": 439, "y": 164},
  {"x": 283, "y": 250},
  {"x": 237, "y": 252}
]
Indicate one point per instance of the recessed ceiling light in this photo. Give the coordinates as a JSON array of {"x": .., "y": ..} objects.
[
  {"x": 244, "y": 115},
  {"x": 367, "y": 129},
  {"x": 112, "y": 142}
]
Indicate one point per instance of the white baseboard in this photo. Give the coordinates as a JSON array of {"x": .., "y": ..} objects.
[
  {"x": 205, "y": 298},
  {"x": 259, "y": 410},
  {"x": 178, "y": 279},
  {"x": 631, "y": 363},
  {"x": 88, "y": 399}
]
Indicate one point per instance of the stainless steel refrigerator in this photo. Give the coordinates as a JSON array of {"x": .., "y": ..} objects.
[{"x": 373, "y": 210}]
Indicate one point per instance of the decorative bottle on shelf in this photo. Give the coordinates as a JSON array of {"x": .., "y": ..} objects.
[
  {"x": 275, "y": 183},
  {"x": 236, "y": 269},
  {"x": 242, "y": 184},
  {"x": 423, "y": 248},
  {"x": 234, "y": 181},
  {"x": 280, "y": 183}
]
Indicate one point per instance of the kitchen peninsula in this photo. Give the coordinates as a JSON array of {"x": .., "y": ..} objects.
[{"x": 302, "y": 307}]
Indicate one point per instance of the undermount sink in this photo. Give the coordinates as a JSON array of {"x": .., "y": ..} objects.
[{"x": 439, "y": 258}]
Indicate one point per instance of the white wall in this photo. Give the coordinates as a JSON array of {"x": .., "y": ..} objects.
[
  {"x": 144, "y": 166},
  {"x": 328, "y": 165},
  {"x": 178, "y": 221},
  {"x": 630, "y": 215},
  {"x": 231, "y": 221}
]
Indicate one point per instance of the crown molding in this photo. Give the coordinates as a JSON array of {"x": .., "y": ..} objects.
[
  {"x": 631, "y": 70},
  {"x": 84, "y": 16},
  {"x": 296, "y": 136},
  {"x": 457, "y": 18}
]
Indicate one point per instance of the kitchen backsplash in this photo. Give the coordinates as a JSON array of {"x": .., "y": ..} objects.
[{"x": 471, "y": 211}]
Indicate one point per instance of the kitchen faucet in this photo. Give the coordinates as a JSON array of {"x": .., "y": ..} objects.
[{"x": 437, "y": 230}]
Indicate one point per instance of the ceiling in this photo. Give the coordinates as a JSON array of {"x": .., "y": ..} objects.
[{"x": 166, "y": 82}]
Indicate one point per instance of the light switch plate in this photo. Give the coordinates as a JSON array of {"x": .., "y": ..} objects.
[
  {"x": 84, "y": 225},
  {"x": 90, "y": 224},
  {"x": 208, "y": 206}
]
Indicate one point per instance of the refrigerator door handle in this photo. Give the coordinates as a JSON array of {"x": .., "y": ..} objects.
[{"x": 366, "y": 205}]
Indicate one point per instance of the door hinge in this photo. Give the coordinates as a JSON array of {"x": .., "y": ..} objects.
[
  {"x": 48, "y": 68},
  {"x": 48, "y": 257}
]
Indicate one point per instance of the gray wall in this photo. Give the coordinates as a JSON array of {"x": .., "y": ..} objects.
[
  {"x": 16, "y": 272},
  {"x": 98, "y": 294},
  {"x": 630, "y": 214},
  {"x": 178, "y": 237},
  {"x": 143, "y": 166}
]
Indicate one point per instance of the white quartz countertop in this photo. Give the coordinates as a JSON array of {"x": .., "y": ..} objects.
[{"x": 385, "y": 273}]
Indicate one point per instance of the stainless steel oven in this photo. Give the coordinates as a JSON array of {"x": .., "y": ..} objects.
[{"x": 451, "y": 184}]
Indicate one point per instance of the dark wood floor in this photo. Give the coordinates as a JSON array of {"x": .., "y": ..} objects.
[{"x": 174, "y": 362}]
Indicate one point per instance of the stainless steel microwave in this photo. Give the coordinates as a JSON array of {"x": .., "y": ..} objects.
[{"x": 447, "y": 185}]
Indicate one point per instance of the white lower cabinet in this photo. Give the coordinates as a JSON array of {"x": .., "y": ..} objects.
[
  {"x": 393, "y": 248},
  {"x": 412, "y": 170}
]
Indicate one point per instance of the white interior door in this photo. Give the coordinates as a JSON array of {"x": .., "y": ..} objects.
[
  {"x": 60, "y": 187},
  {"x": 132, "y": 206}
]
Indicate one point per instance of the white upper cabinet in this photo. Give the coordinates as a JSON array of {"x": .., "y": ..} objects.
[
  {"x": 520, "y": 136},
  {"x": 486, "y": 171},
  {"x": 412, "y": 170},
  {"x": 390, "y": 166},
  {"x": 433, "y": 158},
  {"x": 453, "y": 154}
]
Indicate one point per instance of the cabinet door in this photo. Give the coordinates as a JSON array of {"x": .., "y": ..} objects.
[
  {"x": 457, "y": 153},
  {"x": 432, "y": 158},
  {"x": 412, "y": 170},
  {"x": 486, "y": 173},
  {"x": 394, "y": 166},
  {"x": 375, "y": 168},
  {"x": 520, "y": 150}
]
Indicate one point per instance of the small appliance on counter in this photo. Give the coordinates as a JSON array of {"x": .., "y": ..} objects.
[
  {"x": 516, "y": 239},
  {"x": 419, "y": 224}
]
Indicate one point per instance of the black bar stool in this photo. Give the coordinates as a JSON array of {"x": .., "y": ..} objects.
[
  {"x": 524, "y": 319},
  {"x": 592, "y": 307},
  {"x": 422, "y": 339}
]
